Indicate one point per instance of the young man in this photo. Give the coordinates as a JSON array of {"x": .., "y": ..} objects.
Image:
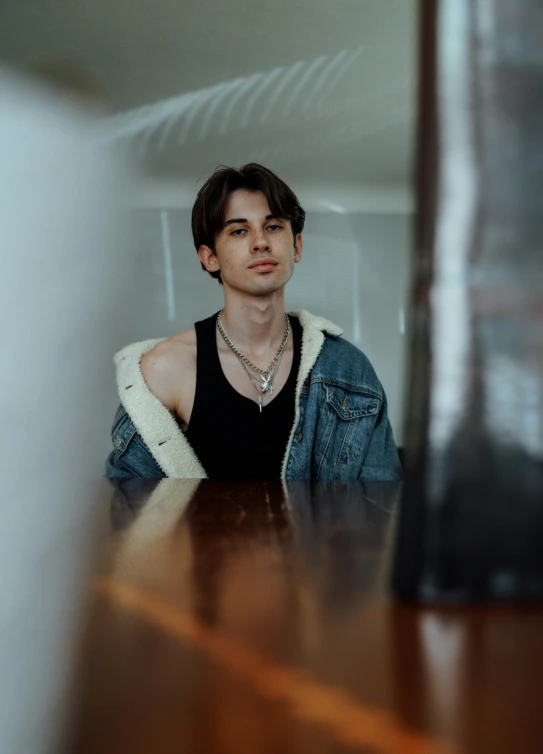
[{"x": 251, "y": 393}]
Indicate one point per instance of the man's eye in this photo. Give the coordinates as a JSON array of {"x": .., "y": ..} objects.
[
  {"x": 237, "y": 232},
  {"x": 275, "y": 227}
]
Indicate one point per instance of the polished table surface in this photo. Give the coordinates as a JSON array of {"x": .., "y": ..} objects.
[{"x": 254, "y": 619}]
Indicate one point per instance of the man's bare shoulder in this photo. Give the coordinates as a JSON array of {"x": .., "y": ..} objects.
[
  {"x": 169, "y": 365},
  {"x": 170, "y": 352}
]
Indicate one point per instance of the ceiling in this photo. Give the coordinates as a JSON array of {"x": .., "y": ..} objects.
[{"x": 319, "y": 91}]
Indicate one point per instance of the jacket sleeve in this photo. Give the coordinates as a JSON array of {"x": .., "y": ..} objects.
[
  {"x": 129, "y": 457},
  {"x": 382, "y": 463}
]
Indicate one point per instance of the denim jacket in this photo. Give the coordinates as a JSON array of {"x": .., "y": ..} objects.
[{"x": 341, "y": 429}]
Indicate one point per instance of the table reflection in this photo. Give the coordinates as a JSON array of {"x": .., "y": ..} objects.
[{"x": 256, "y": 617}]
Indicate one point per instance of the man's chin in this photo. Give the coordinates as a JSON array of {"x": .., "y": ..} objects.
[
  {"x": 270, "y": 283},
  {"x": 263, "y": 285}
]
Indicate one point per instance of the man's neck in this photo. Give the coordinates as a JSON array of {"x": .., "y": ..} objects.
[{"x": 255, "y": 324}]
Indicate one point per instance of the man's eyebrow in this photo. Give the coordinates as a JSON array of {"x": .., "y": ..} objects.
[
  {"x": 241, "y": 220},
  {"x": 235, "y": 221}
]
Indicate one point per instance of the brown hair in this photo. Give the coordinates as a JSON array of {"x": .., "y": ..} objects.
[{"x": 209, "y": 207}]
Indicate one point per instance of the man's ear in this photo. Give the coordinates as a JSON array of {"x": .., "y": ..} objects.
[
  {"x": 208, "y": 259},
  {"x": 298, "y": 247}
]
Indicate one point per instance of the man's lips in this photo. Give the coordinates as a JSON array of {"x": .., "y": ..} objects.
[{"x": 263, "y": 264}]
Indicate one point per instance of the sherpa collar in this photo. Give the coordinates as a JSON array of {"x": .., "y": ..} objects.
[{"x": 157, "y": 427}]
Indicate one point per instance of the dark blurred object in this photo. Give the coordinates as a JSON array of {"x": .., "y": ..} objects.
[
  {"x": 471, "y": 523},
  {"x": 71, "y": 80}
]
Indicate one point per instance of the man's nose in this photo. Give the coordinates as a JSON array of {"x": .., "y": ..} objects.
[{"x": 260, "y": 243}]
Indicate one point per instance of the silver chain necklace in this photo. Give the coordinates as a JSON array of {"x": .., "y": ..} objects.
[
  {"x": 259, "y": 389},
  {"x": 266, "y": 375}
]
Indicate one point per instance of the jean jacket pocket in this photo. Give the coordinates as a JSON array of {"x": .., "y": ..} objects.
[{"x": 351, "y": 416}]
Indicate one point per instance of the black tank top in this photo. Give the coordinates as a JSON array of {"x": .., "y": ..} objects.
[{"x": 229, "y": 434}]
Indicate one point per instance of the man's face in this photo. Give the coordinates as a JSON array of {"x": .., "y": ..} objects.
[{"x": 254, "y": 251}]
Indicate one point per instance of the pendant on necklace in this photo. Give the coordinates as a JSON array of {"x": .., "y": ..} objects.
[
  {"x": 260, "y": 402},
  {"x": 265, "y": 386}
]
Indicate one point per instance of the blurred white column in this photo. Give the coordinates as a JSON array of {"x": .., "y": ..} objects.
[{"x": 63, "y": 276}]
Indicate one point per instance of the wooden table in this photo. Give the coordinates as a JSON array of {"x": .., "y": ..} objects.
[{"x": 248, "y": 619}]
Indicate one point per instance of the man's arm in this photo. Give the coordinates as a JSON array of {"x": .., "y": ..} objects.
[
  {"x": 169, "y": 370},
  {"x": 129, "y": 457},
  {"x": 382, "y": 463},
  {"x": 159, "y": 367}
]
